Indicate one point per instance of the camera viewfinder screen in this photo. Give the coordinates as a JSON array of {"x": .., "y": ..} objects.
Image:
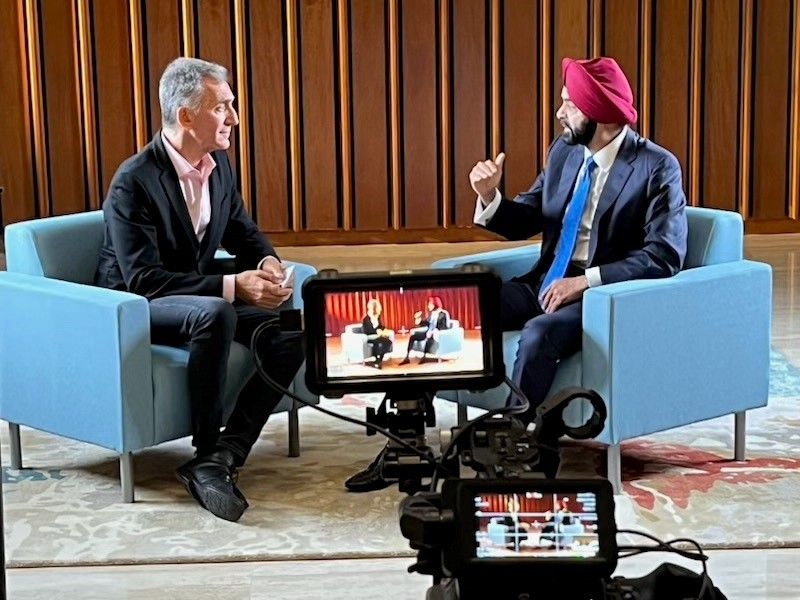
[
  {"x": 536, "y": 525},
  {"x": 403, "y": 332}
]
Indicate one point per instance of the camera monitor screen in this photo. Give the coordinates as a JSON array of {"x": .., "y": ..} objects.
[
  {"x": 427, "y": 329},
  {"x": 536, "y": 524}
]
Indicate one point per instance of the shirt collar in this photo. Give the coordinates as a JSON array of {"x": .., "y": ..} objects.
[
  {"x": 606, "y": 156},
  {"x": 182, "y": 166}
]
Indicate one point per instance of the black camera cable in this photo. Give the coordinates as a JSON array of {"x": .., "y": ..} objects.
[
  {"x": 668, "y": 546},
  {"x": 427, "y": 456}
]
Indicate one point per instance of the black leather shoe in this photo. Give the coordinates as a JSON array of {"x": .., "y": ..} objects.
[
  {"x": 210, "y": 479},
  {"x": 371, "y": 478},
  {"x": 405, "y": 361}
]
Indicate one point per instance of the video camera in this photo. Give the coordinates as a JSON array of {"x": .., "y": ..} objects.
[{"x": 514, "y": 532}]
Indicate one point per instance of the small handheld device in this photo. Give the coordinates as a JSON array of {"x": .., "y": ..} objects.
[{"x": 288, "y": 278}]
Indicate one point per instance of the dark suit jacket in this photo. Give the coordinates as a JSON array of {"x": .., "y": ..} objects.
[
  {"x": 442, "y": 321},
  {"x": 639, "y": 229},
  {"x": 150, "y": 247},
  {"x": 368, "y": 329}
]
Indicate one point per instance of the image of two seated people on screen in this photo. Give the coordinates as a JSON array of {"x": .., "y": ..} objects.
[
  {"x": 408, "y": 331},
  {"x": 526, "y": 527}
]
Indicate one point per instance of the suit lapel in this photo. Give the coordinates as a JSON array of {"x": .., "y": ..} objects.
[
  {"x": 216, "y": 192},
  {"x": 620, "y": 172},
  {"x": 568, "y": 175},
  {"x": 172, "y": 189}
]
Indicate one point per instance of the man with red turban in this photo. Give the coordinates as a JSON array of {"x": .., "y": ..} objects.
[{"x": 609, "y": 205}]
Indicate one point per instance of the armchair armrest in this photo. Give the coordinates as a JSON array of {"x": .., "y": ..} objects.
[
  {"x": 678, "y": 350},
  {"x": 507, "y": 263},
  {"x": 76, "y": 361}
]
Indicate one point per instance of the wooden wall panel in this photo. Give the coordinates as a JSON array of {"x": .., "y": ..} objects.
[
  {"x": 470, "y": 103},
  {"x": 771, "y": 110},
  {"x": 269, "y": 117},
  {"x": 570, "y": 38},
  {"x": 162, "y": 37},
  {"x": 420, "y": 137},
  {"x": 113, "y": 91},
  {"x": 362, "y": 118},
  {"x": 17, "y": 167},
  {"x": 317, "y": 63},
  {"x": 370, "y": 118},
  {"x": 61, "y": 89},
  {"x": 670, "y": 68},
  {"x": 215, "y": 43},
  {"x": 720, "y": 95},
  {"x": 521, "y": 97},
  {"x": 621, "y": 24}
]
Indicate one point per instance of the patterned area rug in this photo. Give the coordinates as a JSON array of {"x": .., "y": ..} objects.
[{"x": 66, "y": 509}]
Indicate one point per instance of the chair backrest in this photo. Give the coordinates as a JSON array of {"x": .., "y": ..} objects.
[
  {"x": 715, "y": 236},
  {"x": 354, "y": 328},
  {"x": 65, "y": 247}
]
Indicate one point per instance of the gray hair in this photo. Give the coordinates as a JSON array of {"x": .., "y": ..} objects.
[{"x": 182, "y": 85}]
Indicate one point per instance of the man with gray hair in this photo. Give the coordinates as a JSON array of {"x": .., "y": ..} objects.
[{"x": 167, "y": 211}]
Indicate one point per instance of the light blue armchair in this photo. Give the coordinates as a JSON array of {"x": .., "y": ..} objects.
[
  {"x": 447, "y": 343},
  {"x": 77, "y": 359},
  {"x": 666, "y": 352}
]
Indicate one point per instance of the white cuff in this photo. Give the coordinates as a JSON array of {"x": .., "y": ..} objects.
[
  {"x": 483, "y": 213},
  {"x": 593, "y": 276},
  {"x": 229, "y": 287}
]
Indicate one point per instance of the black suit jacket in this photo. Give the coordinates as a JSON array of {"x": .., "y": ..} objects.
[
  {"x": 150, "y": 247},
  {"x": 367, "y": 327},
  {"x": 639, "y": 230}
]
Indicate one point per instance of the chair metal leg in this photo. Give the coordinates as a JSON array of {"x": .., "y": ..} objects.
[
  {"x": 462, "y": 414},
  {"x": 738, "y": 435},
  {"x": 294, "y": 431},
  {"x": 615, "y": 468},
  {"x": 126, "y": 476},
  {"x": 16, "y": 446}
]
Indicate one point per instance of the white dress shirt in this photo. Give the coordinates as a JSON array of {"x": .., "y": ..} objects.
[{"x": 604, "y": 158}]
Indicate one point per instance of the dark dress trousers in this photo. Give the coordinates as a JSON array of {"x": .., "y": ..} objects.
[
  {"x": 639, "y": 232},
  {"x": 150, "y": 248},
  {"x": 379, "y": 345}
]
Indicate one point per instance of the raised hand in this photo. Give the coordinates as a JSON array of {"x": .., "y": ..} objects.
[{"x": 485, "y": 177}]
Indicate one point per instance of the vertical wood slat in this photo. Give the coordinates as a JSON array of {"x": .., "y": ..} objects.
[
  {"x": 137, "y": 55},
  {"x": 419, "y": 127},
  {"x": 445, "y": 112},
  {"x": 746, "y": 109},
  {"x": 86, "y": 72},
  {"x": 61, "y": 85},
  {"x": 522, "y": 136},
  {"x": 346, "y": 139},
  {"x": 472, "y": 102},
  {"x": 371, "y": 129},
  {"x": 112, "y": 88},
  {"x": 294, "y": 115},
  {"x": 37, "y": 105},
  {"x": 718, "y": 185},
  {"x": 695, "y": 102},
  {"x": 243, "y": 134},
  {"x": 495, "y": 39},
  {"x": 771, "y": 108},
  {"x": 597, "y": 10},
  {"x": 394, "y": 110},
  {"x": 669, "y": 122},
  {"x": 316, "y": 22},
  {"x": 546, "y": 69},
  {"x": 17, "y": 168},
  {"x": 271, "y": 197},
  {"x": 794, "y": 158},
  {"x": 645, "y": 61},
  {"x": 187, "y": 16}
]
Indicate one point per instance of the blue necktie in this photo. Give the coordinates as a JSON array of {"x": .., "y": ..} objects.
[{"x": 569, "y": 229}]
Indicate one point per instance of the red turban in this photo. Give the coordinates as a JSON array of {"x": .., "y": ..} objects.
[{"x": 598, "y": 87}]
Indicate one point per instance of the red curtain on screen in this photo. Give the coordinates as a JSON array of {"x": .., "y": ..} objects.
[{"x": 399, "y": 307}]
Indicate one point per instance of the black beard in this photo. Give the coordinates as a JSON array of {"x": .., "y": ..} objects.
[{"x": 581, "y": 136}]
